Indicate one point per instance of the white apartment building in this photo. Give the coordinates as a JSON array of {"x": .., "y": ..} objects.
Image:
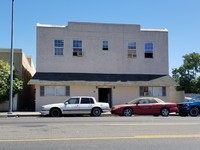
[{"x": 114, "y": 63}]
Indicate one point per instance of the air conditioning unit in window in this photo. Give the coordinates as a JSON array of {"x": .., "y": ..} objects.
[{"x": 80, "y": 54}]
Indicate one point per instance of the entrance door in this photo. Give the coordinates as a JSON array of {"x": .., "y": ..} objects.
[{"x": 105, "y": 95}]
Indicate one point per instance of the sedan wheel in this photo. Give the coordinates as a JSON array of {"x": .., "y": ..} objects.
[
  {"x": 127, "y": 112},
  {"x": 55, "y": 112},
  {"x": 194, "y": 112},
  {"x": 164, "y": 112},
  {"x": 96, "y": 112}
]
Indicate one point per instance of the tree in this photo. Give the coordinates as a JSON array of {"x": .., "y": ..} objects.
[
  {"x": 5, "y": 82},
  {"x": 187, "y": 74},
  {"x": 198, "y": 85}
]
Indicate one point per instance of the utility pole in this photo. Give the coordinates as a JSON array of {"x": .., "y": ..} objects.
[{"x": 11, "y": 62}]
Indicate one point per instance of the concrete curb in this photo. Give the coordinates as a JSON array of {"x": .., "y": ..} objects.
[
  {"x": 38, "y": 114},
  {"x": 33, "y": 114},
  {"x": 20, "y": 114}
]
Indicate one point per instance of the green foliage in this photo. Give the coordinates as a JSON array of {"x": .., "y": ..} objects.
[
  {"x": 198, "y": 84},
  {"x": 5, "y": 82},
  {"x": 187, "y": 74}
]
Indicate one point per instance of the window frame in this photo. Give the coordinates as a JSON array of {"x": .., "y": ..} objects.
[
  {"x": 132, "y": 46},
  {"x": 77, "y": 47},
  {"x": 148, "y": 48},
  {"x": 59, "y": 47},
  {"x": 54, "y": 90},
  {"x": 155, "y": 91},
  {"x": 105, "y": 45}
]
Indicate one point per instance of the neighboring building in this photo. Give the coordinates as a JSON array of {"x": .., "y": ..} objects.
[
  {"x": 25, "y": 70},
  {"x": 112, "y": 62}
]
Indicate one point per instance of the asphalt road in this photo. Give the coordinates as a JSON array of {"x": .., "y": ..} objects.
[{"x": 97, "y": 133}]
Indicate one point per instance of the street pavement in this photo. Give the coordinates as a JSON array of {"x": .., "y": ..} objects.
[{"x": 89, "y": 133}]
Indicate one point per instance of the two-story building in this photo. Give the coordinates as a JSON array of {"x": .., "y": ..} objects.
[
  {"x": 25, "y": 69},
  {"x": 112, "y": 62}
]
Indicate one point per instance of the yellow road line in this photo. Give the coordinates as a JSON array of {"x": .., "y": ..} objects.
[
  {"x": 141, "y": 124},
  {"x": 105, "y": 138}
]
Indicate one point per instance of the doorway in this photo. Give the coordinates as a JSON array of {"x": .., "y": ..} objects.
[{"x": 105, "y": 95}]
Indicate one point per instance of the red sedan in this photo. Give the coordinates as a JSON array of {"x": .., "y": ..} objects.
[{"x": 145, "y": 106}]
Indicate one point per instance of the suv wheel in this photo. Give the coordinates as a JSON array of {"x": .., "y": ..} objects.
[{"x": 194, "y": 112}]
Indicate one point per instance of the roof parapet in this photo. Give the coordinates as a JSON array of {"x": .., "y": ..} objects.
[
  {"x": 163, "y": 30},
  {"x": 47, "y": 25}
]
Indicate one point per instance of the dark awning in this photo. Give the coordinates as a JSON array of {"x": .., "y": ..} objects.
[{"x": 94, "y": 77}]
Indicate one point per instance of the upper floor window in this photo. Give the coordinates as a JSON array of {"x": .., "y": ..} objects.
[
  {"x": 77, "y": 48},
  {"x": 132, "y": 50},
  {"x": 148, "y": 50},
  {"x": 105, "y": 45},
  {"x": 58, "y": 47}
]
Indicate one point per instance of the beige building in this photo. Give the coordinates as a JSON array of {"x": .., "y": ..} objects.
[
  {"x": 112, "y": 62},
  {"x": 25, "y": 69}
]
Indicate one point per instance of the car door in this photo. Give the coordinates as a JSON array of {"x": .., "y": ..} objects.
[
  {"x": 86, "y": 105},
  {"x": 156, "y": 107},
  {"x": 71, "y": 106},
  {"x": 143, "y": 107}
]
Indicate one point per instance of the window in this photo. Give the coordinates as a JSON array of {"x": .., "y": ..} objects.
[
  {"x": 87, "y": 101},
  {"x": 143, "y": 101},
  {"x": 131, "y": 45},
  {"x": 73, "y": 101},
  {"x": 152, "y": 91},
  {"x": 152, "y": 101},
  {"x": 132, "y": 50},
  {"x": 49, "y": 91},
  {"x": 58, "y": 47},
  {"x": 77, "y": 48},
  {"x": 54, "y": 91},
  {"x": 148, "y": 50},
  {"x": 105, "y": 45}
]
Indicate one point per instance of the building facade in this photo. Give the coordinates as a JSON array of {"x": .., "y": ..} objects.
[
  {"x": 112, "y": 62},
  {"x": 25, "y": 70}
]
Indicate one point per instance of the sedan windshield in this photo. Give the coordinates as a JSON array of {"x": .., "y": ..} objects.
[
  {"x": 147, "y": 100},
  {"x": 135, "y": 101}
]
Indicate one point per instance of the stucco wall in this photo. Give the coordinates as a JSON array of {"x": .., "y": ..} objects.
[
  {"x": 5, "y": 107},
  {"x": 94, "y": 59},
  {"x": 120, "y": 94},
  {"x": 176, "y": 96}
]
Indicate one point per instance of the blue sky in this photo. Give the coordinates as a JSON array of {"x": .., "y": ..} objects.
[{"x": 180, "y": 17}]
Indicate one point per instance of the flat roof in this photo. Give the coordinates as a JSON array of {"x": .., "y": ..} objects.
[{"x": 64, "y": 26}]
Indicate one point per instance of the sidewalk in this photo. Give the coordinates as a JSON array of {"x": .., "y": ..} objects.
[{"x": 20, "y": 114}]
